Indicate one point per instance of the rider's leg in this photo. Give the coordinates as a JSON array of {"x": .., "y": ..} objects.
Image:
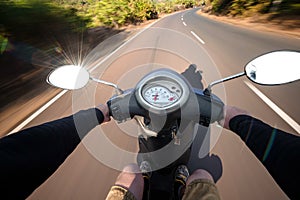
[
  {"x": 128, "y": 185},
  {"x": 199, "y": 174},
  {"x": 200, "y": 185},
  {"x": 146, "y": 170}
]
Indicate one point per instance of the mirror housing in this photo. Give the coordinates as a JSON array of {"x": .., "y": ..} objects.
[
  {"x": 70, "y": 77},
  {"x": 73, "y": 77},
  {"x": 274, "y": 68}
]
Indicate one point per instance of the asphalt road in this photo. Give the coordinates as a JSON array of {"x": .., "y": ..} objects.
[{"x": 219, "y": 50}]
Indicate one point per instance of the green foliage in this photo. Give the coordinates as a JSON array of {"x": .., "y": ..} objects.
[
  {"x": 121, "y": 12},
  {"x": 3, "y": 43},
  {"x": 219, "y": 6},
  {"x": 142, "y": 10},
  {"x": 289, "y": 7},
  {"x": 240, "y": 7},
  {"x": 116, "y": 13},
  {"x": 26, "y": 18},
  {"x": 187, "y": 3},
  {"x": 109, "y": 13},
  {"x": 170, "y": 6},
  {"x": 166, "y": 7},
  {"x": 251, "y": 7}
]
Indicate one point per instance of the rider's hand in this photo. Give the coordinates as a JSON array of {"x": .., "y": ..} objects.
[
  {"x": 229, "y": 113},
  {"x": 105, "y": 111}
]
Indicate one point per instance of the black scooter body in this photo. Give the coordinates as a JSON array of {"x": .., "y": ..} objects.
[{"x": 161, "y": 183}]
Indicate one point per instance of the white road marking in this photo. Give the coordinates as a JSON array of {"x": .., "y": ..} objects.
[
  {"x": 275, "y": 108},
  {"x": 197, "y": 37},
  {"x": 184, "y": 23},
  {"x": 39, "y": 111}
]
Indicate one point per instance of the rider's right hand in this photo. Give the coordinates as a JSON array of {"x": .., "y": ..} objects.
[{"x": 229, "y": 113}]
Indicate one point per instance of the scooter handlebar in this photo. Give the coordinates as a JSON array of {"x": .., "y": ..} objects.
[{"x": 125, "y": 107}]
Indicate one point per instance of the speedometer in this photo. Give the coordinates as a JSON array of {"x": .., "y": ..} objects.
[
  {"x": 162, "y": 91},
  {"x": 161, "y": 96}
]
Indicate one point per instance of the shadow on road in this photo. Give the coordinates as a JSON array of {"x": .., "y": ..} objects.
[{"x": 201, "y": 143}]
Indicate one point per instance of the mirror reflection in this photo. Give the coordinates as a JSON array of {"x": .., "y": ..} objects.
[
  {"x": 274, "y": 68},
  {"x": 70, "y": 77}
]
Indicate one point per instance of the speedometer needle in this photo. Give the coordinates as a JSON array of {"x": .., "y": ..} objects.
[{"x": 155, "y": 97}]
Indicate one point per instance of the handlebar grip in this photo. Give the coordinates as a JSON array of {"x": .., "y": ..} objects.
[
  {"x": 211, "y": 108},
  {"x": 125, "y": 107}
]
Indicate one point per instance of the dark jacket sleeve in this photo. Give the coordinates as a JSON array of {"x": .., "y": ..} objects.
[
  {"x": 277, "y": 150},
  {"x": 29, "y": 157}
]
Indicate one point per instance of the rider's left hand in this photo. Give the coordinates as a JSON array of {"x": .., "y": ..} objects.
[{"x": 104, "y": 109}]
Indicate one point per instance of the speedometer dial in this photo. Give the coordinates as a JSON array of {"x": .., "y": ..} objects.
[
  {"x": 162, "y": 91},
  {"x": 160, "y": 96}
]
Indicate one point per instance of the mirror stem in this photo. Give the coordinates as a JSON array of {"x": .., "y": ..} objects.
[
  {"x": 119, "y": 91},
  {"x": 207, "y": 91}
]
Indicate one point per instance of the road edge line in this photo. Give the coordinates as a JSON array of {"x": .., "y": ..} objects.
[
  {"x": 275, "y": 108},
  {"x": 38, "y": 112}
]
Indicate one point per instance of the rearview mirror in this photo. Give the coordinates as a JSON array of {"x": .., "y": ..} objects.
[
  {"x": 70, "y": 77},
  {"x": 274, "y": 68}
]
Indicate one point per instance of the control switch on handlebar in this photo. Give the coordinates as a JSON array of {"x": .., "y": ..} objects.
[
  {"x": 118, "y": 107},
  {"x": 124, "y": 107}
]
